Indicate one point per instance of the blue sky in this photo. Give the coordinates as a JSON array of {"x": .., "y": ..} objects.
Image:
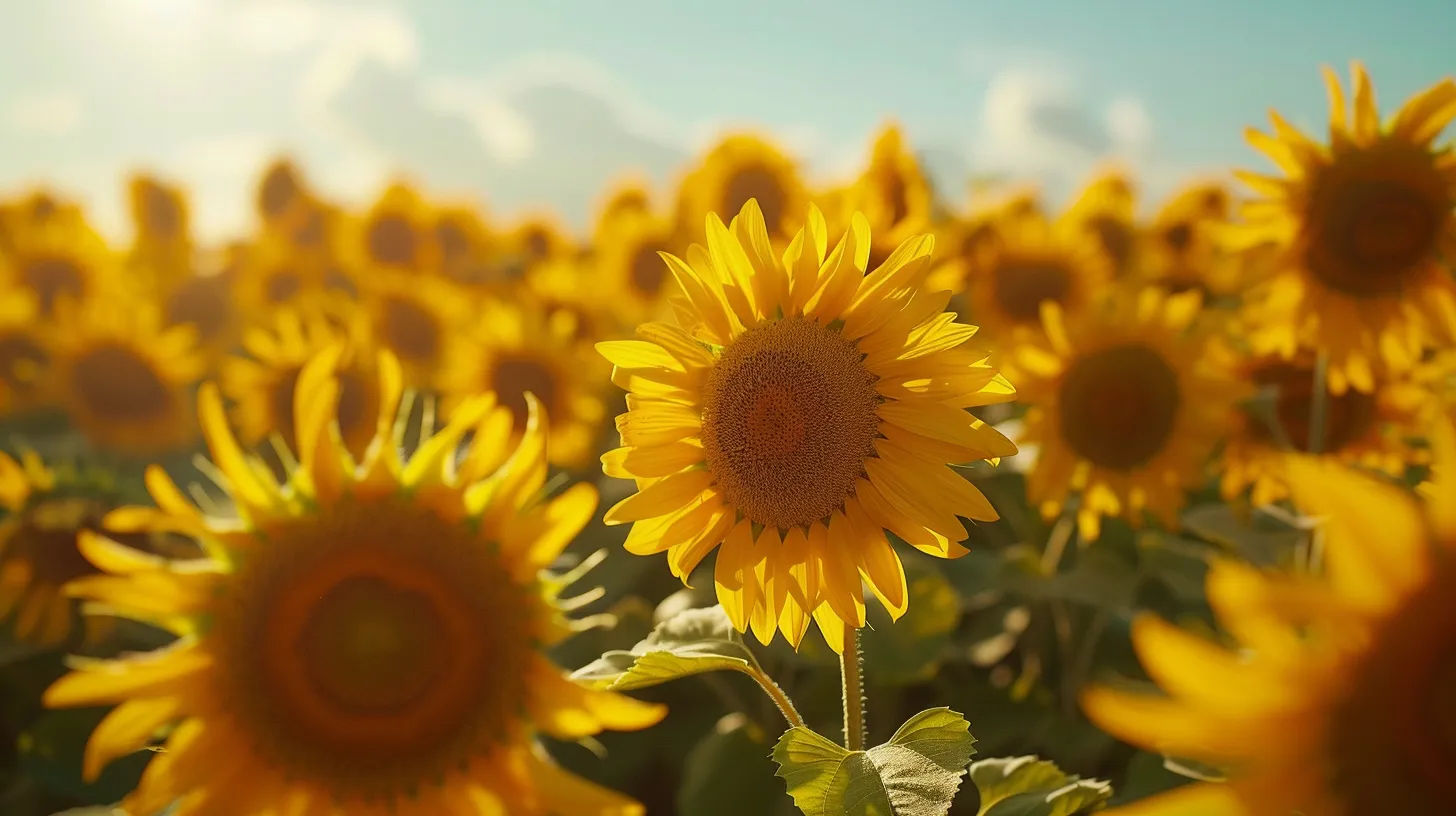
[{"x": 538, "y": 103}]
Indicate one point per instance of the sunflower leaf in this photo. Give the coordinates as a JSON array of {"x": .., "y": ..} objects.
[
  {"x": 691, "y": 642},
  {"x": 916, "y": 773},
  {"x": 1028, "y": 786}
]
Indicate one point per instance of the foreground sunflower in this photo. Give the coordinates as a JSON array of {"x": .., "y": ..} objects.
[
  {"x": 800, "y": 410},
  {"x": 38, "y": 556},
  {"x": 125, "y": 380},
  {"x": 1127, "y": 401},
  {"x": 1377, "y": 430},
  {"x": 522, "y": 348},
  {"x": 263, "y": 383},
  {"x": 1338, "y": 700},
  {"x": 1359, "y": 228},
  {"x": 361, "y": 639}
]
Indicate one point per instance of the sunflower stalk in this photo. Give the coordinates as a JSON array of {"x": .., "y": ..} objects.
[{"x": 851, "y": 669}]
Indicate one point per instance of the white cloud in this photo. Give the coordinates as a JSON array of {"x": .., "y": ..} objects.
[
  {"x": 46, "y": 113},
  {"x": 1129, "y": 124}
]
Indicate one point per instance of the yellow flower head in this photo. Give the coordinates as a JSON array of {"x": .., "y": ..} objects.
[
  {"x": 1357, "y": 228},
  {"x": 418, "y": 319},
  {"x": 206, "y": 300},
  {"x": 397, "y": 233},
  {"x": 1179, "y": 250},
  {"x": 361, "y": 638},
  {"x": 282, "y": 199},
  {"x": 520, "y": 348},
  {"x": 1127, "y": 403},
  {"x": 263, "y": 383},
  {"x": 1338, "y": 699},
  {"x": 124, "y": 379},
  {"x": 24, "y": 354},
  {"x": 464, "y": 241},
  {"x": 1375, "y": 430},
  {"x": 893, "y": 192},
  {"x": 798, "y": 410},
  {"x": 1106, "y": 210},
  {"x": 60, "y": 256},
  {"x": 629, "y": 197},
  {"x": 740, "y": 168},
  {"x": 275, "y": 271},
  {"x": 628, "y": 266},
  {"x": 163, "y": 244}
]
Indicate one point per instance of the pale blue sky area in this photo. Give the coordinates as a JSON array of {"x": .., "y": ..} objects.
[{"x": 528, "y": 103}]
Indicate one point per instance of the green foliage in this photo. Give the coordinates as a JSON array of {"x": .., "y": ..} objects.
[
  {"x": 51, "y": 750},
  {"x": 1028, "y": 786},
  {"x": 691, "y": 642},
  {"x": 916, "y": 773},
  {"x": 729, "y": 773},
  {"x": 911, "y": 649}
]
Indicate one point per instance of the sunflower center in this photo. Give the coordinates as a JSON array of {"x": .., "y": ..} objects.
[
  {"x": 113, "y": 382},
  {"x": 46, "y": 539},
  {"x": 1373, "y": 236},
  {"x": 375, "y": 647},
  {"x": 22, "y": 362},
  {"x": 1392, "y": 739},
  {"x": 454, "y": 244},
  {"x": 1118, "y": 406},
  {"x": 392, "y": 240},
  {"x": 282, "y": 285},
  {"x": 1348, "y": 416},
  {"x": 1115, "y": 238},
  {"x": 648, "y": 270},
  {"x": 50, "y": 277},
  {"x": 311, "y": 233},
  {"x": 410, "y": 330},
  {"x": 202, "y": 302},
  {"x": 1022, "y": 285},
  {"x": 790, "y": 414},
  {"x": 513, "y": 377},
  {"x": 277, "y": 191},
  {"x": 755, "y": 182},
  {"x": 897, "y": 192},
  {"x": 164, "y": 217},
  {"x": 1178, "y": 236},
  {"x": 538, "y": 244}
]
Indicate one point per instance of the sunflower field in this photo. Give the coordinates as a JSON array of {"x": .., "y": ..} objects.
[{"x": 764, "y": 497}]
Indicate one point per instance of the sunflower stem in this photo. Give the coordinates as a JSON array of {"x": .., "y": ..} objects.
[
  {"x": 851, "y": 669},
  {"x": 1319, "y": 403},
  {"x": 780, "y": 699},
  {"x": 1056, "y": 546}
]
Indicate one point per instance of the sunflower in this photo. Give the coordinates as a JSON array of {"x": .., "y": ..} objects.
[
  {"x": 162, "y": 248},
  {"x": 969, "y": 234},
  {"x": 739, "y": 168},
  {"x": 282, "y": 200},
  {"x": 361, "y": 638},
  {"x": 274, "y": 271},
  {"x": 418, "y": 319},
  {"x": 464, "y": 241},
  {"x": 1358, "y": 228},
  {"x": 567, "y": 289},
  {"x": 1373, "y": 430},
  {"x": 536, "y": 239},
  {"x": 1127, "y": 401},
  {"x": 1338, "y": 700},
  {"x": 522, "y": 348},
  {"x": 41, "y": 517},
  {"x": 801, "y": 409},
  {"x": 61, "y": 256},
  {"x": 124, "y": 378},
  {"x": 1179, "y": 250},
  {"x": 1106, "y": 209},
  {"x": 262, "y": 383},
  {"x": 24, "y": 354},
  {"x": 397, "y": 233},
  {"x": 1024, "y": 262},
  {"x": 628, "y": 264},
  {"x": 204, "y": 300},
  {"x": 892, "y": 192},
  {"x": 627, "y": 198}
]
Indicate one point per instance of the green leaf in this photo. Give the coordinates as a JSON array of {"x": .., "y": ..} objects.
[
  {"x": 1259, "y": 538},
  {"x": 728, "y": 773},
  {"x": 691, "y": 642},
  {"x": 93, "y": 810},
  {"x": 910, "y": 650},
  {"x": 1028, "y": 786},
  {"x": 50, "y": 754},
  {"x": 916, "y": 773}
]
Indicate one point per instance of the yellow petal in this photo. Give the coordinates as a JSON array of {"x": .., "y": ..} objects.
[{"x": 126, "y": 729}]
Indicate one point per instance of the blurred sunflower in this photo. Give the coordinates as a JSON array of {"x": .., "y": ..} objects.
[
  {"x": 204, "y": 300},
  {"x": 419, "y": 320},
  {"x": 263, "y": 383},
  {"x": 1023, "y": 263},
  {"x": 568, "y": 289},
  {"x": 967, "y": 235},
  {"x": 273, "y": 271},
  {"x": 38, "y": 552},
  {"x": 24, "y": 354},
  {"x": 1107, "y": 210},
  {"x": 1179, "y": 250},
  {"x": 282, "y": 200},
  {"x": 162, "y": 248},
  {"x": 537, "y": 239},
  {"x": 742, "y": 167},
  {"x": 1127, "y": 401},
  {"x": 464, "y": 242},
  {"x": 1359, "y": 227},
  {"x": 628, "y": 198},
  {"x": 628, "y": 265},
  {"x": 125, "y": 380},
  {"x": 397, "y": 233},
  {"x": 1373, "y": 430},
  {"x": 801, "y": 409},
  {"x": 893, "y": 194},
  {"x": 518, "y": 348},
  {"x": 1337, "y": 701},
  {"x": 61, "y": 257},
  {"x": 362, "y": 638}
]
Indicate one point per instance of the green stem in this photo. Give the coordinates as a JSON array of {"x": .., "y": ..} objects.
[
  {"x": 851, "y": 668},
  {"x": 1056, "y": 546},
  {"x": 780, "y": 699},
  {"x": 1319, "y": 403}
]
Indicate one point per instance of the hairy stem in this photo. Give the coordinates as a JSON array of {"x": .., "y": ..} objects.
[
  {"x": 851, "y": 669},
  {"x": 780, "y": 699}
]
